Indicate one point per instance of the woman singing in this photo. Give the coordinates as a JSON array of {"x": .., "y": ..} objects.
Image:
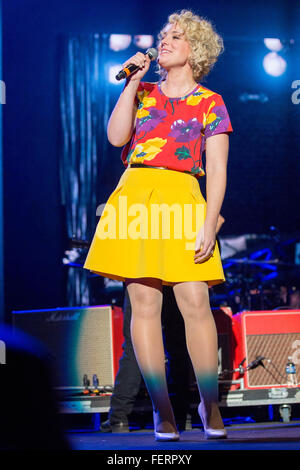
[{"x": 156, "y": 228}]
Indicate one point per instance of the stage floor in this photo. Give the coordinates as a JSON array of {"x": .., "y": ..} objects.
[{"x": 257, "y": 436}]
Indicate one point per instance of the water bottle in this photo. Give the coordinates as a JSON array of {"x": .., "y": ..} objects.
[
  {"x": 291, "y": 373},
  {"x": 96, "y": 384}
]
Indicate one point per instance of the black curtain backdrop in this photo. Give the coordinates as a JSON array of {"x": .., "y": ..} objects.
[{"x": 84, "y": 102}]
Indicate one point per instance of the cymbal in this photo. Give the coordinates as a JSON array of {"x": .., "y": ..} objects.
[{"x": 253, "y": 261}]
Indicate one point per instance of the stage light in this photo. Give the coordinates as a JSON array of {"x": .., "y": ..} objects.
[
  {"x": 274, "y": 64},
  {"x": 274, "y": 44},
  {"x": 144, "y": 41},
  {"x": 119, "y": 42},
  {"x": 261, "y": 97},
  {"x": 113, "y": 70}
]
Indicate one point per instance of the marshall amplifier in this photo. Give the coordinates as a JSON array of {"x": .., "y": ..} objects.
[{"x": 81, "y": 341}]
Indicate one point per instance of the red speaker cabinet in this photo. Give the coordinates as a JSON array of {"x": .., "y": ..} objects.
[{"x": 275, "y": 335}]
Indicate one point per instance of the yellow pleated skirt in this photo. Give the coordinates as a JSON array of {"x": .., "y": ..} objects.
[{"x": 148, "y": 228}]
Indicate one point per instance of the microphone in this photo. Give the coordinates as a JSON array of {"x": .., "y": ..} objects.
[
  {"x": 131, "y": 68},
  {"x": 257, "y": 362}
]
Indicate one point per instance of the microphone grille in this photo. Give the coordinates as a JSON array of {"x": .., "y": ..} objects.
[{"x": 152, "y": 53}]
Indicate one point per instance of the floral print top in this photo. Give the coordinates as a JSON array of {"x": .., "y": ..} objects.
[{"x": 172, "y": 132}]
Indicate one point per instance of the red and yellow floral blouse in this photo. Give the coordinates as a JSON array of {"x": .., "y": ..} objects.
[{"x": 172, "y": 132}]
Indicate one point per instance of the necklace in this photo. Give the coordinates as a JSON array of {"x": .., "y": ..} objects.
[{"x": 186, "y": 92}]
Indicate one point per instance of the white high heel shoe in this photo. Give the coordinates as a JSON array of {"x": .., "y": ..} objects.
[
  {"x": 164, "y": 436},
  {"x": 212, "y": 433}
]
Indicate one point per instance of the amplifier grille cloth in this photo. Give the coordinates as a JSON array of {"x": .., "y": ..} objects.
[
  {"x": 94, "y": 353},
  {"x": 276, "y": 347}
]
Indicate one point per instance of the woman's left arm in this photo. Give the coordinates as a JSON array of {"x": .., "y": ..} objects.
[{"x": 217, "y": 147}]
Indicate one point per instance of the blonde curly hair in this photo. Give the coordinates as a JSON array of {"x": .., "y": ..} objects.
[{"x": 205, "y": 43}]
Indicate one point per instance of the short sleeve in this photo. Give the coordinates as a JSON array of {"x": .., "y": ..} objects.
[{"x": 216, "y": 119}]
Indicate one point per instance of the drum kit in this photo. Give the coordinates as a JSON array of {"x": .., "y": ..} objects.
[{"x": 261, "y": 276}]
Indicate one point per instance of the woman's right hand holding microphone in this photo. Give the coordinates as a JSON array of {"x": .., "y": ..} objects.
[
  {"x": 142, "y": 61},
  {"x": 123, "y": 118}
]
